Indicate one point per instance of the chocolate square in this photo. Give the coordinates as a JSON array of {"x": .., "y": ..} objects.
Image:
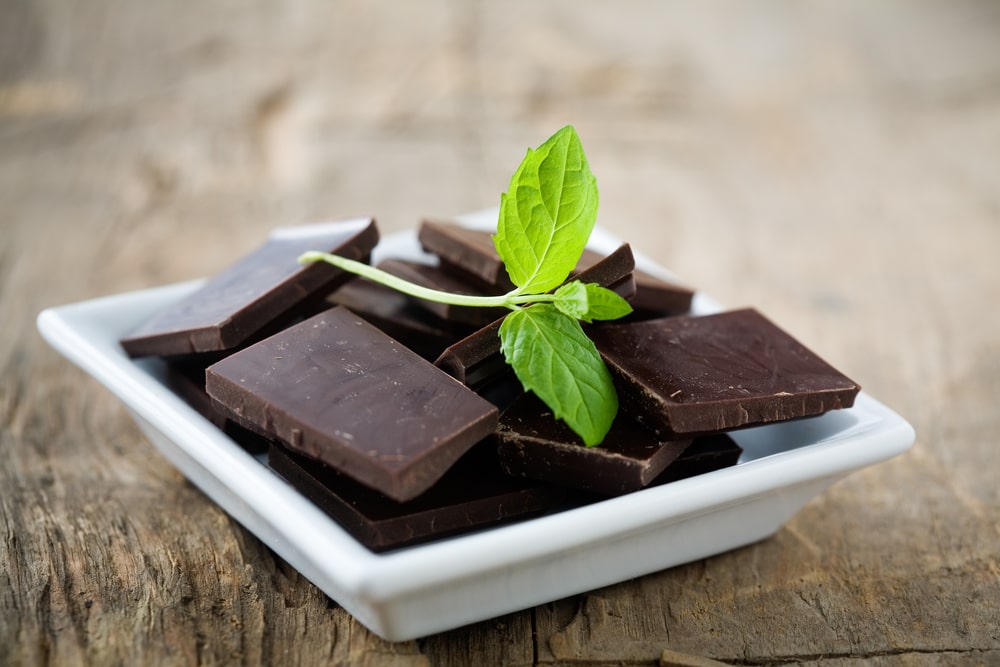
[
  {"x": 337, "y": 389},
  {"x": 690, "y": 375},
  {"x": 261, "y": 289}
]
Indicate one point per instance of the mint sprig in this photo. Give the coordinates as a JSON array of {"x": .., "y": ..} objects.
[{"x": 546, "y": 217}]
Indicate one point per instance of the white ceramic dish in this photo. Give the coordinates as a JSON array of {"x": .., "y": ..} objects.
[{"x": 425, "y": 589}]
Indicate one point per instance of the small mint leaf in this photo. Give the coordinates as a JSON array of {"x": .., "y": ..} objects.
[
  {"x": 547, "y": 214},
  {"x": 572, "y": 300},
  {"x": 552, "y": 357},
  {"x": 590, "y": 301}
]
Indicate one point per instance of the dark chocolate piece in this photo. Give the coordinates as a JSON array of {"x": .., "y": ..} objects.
[
  {"x": 615, "y": 271},
  {"x": 397, "y": 315},
  {"x": 473, "y": 494},
  {"x": 187, "y": 380},
  {"x": 706, "y": 453},
  {"x": 468, "y": 250},
  {"x": 690, "y": 375},
  {"x": 435, "y": 277},
  {"x": 264, "y": 287},
  {"x": 477, "y": 357},
  {"x": 533, "y": 444},
  {"x": 337, "y": 389},
  {"x": 652, "y": 294}
]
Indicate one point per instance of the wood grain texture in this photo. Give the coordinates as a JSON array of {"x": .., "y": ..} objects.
[{"x": 832, "y": 163}]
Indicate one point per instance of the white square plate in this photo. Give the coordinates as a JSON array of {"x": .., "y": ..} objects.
[{"x": 421, "y": 590}]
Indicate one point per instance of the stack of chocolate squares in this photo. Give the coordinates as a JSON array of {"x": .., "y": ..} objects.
[{"x": 400, "y": 418}]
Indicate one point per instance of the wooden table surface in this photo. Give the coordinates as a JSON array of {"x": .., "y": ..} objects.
[{"x": 836, "y": 164}]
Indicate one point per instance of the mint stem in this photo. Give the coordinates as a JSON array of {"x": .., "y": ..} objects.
[{"x": 511, "y": 300}]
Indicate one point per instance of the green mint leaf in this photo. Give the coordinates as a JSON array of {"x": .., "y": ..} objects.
[
  {"x": 590, "y": 301},
  {"x": 547, "y": 214},
  {"x": 552, "y": 357},
  {"x": 572, "y": 300}
]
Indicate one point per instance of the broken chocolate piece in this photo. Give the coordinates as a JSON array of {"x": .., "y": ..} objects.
[
  {"x": 477, "y": 357},
  {"x": 531, "y": 443},
  {"x": 255, "y": 292},
  {"x": 474, "y": 493},
  {"x": 337, "y": 389},
  {"x": 397, "y": 315},
  {"x": 690, "y": 375},
  {"x": 434, "y": 277}
]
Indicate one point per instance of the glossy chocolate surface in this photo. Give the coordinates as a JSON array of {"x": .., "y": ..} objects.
[
  {"x": 251, "y": 295},
  {"x": 337, "y": 389},
  {"x": 687, "y": 375}
]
